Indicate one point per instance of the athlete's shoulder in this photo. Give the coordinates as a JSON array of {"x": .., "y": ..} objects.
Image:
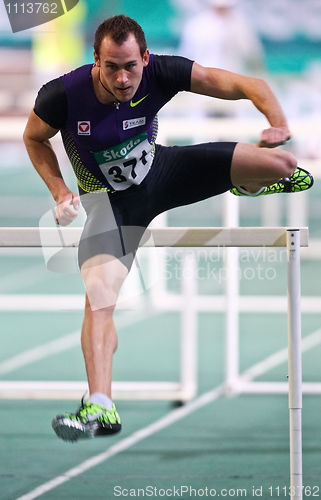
[
  {"x": 164, "y": 62},
  {"x": 51, "y": 103},
  {"x": 172, "y": 71},
  {"x": 56, "y": 88},
  {"x": 77, "y": 76}
]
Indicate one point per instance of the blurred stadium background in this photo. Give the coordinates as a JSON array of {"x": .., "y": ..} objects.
[
  {"x": 289, "y": 31},
  {"x": 290, "y": 35}
]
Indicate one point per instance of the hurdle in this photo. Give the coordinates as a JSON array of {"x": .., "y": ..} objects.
[{"x": 186, "y": 237}]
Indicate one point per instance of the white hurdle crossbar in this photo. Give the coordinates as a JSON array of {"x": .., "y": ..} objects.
[
  {"x": 293, "y": 239},
  {"x": 64, "y": 237}
]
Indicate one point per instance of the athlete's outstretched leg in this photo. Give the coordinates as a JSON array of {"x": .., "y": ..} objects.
[{"x": 254, "y": 168}]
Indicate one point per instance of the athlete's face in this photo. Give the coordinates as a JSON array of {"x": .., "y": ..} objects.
[{"x": 121, "y": 66}]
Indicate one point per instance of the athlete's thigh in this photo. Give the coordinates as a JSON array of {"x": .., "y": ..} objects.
[
  {"x": 187, "y": 174},
  {"x": 113, "y": 228}
]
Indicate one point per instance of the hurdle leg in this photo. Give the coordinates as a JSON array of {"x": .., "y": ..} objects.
[
  {"x": 189, "y": 329},
  {"x": 231, "y": 264},
  {"x": 294, "y": 362}
]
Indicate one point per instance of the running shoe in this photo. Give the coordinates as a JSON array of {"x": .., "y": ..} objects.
[
  {"x": 90, "y": 420},
  {"x": 300, "y": 180}
]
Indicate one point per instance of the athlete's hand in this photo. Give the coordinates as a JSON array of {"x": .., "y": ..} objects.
[
  {"x": 274, "y": 136},
  {"x": 67, "y": 208}
]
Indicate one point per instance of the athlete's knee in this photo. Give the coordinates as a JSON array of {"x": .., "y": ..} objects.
[
  {"x": 103, "y": 276},
  {"x": 102, "y": 294}
]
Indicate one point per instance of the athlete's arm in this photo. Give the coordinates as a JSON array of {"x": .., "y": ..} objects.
[
  {"x": 232, "y": 86},
  {"x": 36, "y": 138}
]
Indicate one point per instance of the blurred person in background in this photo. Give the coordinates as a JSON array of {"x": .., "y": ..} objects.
[{"x": 220, "y": 36}]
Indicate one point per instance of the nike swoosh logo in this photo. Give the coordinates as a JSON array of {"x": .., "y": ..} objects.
[{"x": 133, "y": 104}]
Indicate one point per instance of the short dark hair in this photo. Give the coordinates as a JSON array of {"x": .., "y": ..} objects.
[{"x": 118, "y": 28}]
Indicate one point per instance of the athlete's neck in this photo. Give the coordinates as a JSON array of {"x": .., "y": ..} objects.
[
  {"x": 104, "y": 95},
  {"x": 101, "y": 83}
]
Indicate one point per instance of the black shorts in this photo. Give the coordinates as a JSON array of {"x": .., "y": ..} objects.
[{"x": 180, "y": 175}]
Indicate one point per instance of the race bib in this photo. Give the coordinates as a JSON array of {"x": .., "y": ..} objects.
[{"x": 126, "y": 164}]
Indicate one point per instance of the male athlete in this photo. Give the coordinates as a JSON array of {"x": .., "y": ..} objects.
[{"x": 107, "y": 116}]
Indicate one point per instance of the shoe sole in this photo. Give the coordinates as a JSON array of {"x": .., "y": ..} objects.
[{"x": 72, "y": 430}]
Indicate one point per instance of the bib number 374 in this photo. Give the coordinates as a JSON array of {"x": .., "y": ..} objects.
[{"x": 126, "y": 164}]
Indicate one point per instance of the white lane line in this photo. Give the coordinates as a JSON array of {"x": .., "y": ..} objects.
[
  {"x": 311, "y": 340},
  {"x": 67, "y": 342},
  {"x": 126, "y": 443},
  {"x": 40, "y": 352},
  {"x": 17, "y": 279}
]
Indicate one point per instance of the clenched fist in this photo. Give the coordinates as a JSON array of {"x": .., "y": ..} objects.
[
  {"x": 67, "y": 209},
  {"x": 274, "y": 136}
]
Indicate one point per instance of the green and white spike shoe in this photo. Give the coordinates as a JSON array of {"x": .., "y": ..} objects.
[
  {"x": 90, "y": 420},
  {"x": 300, "y": 180}
]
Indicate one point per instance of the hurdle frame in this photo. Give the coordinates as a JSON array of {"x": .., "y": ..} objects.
[{"x": 292, "y": 239}]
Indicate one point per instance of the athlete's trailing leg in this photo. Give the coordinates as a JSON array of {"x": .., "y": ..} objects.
[{"x": 103, "y": 276}]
